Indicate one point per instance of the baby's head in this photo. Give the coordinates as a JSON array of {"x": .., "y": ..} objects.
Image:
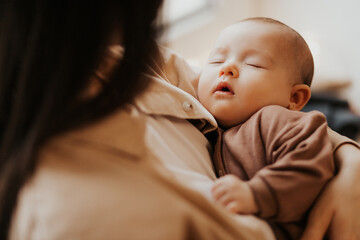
[{"x": 255, "y": 63}]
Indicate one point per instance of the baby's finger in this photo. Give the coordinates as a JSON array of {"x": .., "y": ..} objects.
[
  {"x": 233, "y": 206},
  {"x": 218, "y": 189},
  {"x": 225, "y": 199},
  {"x": 218, "y": 192}
]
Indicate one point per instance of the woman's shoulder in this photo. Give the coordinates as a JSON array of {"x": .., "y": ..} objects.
[{"x": 88, "y": 182}]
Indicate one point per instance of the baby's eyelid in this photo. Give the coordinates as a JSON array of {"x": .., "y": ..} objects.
[
  {"x": 216, "y": 61},
  {"x": 256, "y": 65}
]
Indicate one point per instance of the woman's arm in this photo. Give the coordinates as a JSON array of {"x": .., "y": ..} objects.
[{"x": 337, "y": 211}]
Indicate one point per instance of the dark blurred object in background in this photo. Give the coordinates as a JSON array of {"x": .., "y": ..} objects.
[{"x": 338, "y": 114}]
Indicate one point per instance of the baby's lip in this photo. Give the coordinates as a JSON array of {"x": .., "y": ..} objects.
[{"x": 224, "y": 88}]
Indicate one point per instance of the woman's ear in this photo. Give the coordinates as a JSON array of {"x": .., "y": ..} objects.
[{"x": 300, "y": 95}]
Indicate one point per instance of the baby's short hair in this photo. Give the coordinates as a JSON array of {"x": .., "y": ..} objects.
[{"x": 300, "y": 50}]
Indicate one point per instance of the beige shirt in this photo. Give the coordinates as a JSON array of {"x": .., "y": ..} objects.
[{"x": 111, "y": 180}]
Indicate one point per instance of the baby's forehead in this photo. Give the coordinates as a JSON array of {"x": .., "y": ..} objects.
[
  {"x": 254, "y": 34},
  {"x": 248, "y": 26}
]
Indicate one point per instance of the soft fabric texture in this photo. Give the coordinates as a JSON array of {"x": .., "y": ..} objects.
[
  {"x": 112, "y": 179},
  {"x": 286, "y": 158}
]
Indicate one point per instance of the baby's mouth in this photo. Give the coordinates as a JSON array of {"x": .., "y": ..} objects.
[{"x": 224, "y": 88}]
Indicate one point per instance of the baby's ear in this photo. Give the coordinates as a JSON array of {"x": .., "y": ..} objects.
[{"x": 300, "y": 95}]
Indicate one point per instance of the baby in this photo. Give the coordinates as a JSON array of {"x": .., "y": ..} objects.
[{"x": 278, "y": 159}]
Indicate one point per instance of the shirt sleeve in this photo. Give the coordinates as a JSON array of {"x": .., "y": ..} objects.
[{"x": 299, "y": 162}]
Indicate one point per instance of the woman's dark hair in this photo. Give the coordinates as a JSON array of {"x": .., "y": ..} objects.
[{"x": 48, "y": 53}]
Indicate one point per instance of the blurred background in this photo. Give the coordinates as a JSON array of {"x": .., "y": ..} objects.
[{"x": 330, "y": 28}]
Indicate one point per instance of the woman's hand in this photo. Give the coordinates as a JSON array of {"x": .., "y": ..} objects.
[
  {"x": 337, "y": 211},
  {"x": 234, "y": 194}
]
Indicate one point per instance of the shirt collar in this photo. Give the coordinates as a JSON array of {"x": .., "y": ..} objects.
[{"x": 163, "y": 98}]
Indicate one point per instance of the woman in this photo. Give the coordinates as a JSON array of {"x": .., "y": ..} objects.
[
  {"x": 73, "y": 160},
  {"x": 80, "y": 158}
]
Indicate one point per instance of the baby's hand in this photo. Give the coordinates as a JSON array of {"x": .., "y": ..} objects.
[{"x": 234, "y": 194}]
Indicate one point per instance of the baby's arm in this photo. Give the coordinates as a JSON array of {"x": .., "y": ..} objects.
[
  {"x": 287, "y": 158},
  {"x": 234, "y": 194},
  {"x": 299, "y": 154}
]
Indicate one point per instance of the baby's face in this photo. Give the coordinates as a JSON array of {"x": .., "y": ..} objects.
[{"x": 248, "y": 69}]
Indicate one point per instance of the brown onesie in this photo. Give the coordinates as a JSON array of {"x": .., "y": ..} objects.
[{"x": 286, "y": 158}]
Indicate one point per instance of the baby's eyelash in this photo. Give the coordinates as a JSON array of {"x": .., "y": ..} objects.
[
  {"x": 215, "y": 62},
  {"x": 254, "y": 65}
]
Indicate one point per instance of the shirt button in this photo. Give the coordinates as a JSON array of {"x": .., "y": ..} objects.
[{"x": 187, "y": 106}]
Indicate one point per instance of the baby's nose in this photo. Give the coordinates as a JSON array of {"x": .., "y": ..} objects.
[{"x": 229, "y": 70}]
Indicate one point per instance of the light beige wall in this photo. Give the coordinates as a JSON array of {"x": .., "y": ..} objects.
[
  {"x": 331, "y": 27},
  {"x": 196, "y": 44},
  {"x": 335, "y": 28}
]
